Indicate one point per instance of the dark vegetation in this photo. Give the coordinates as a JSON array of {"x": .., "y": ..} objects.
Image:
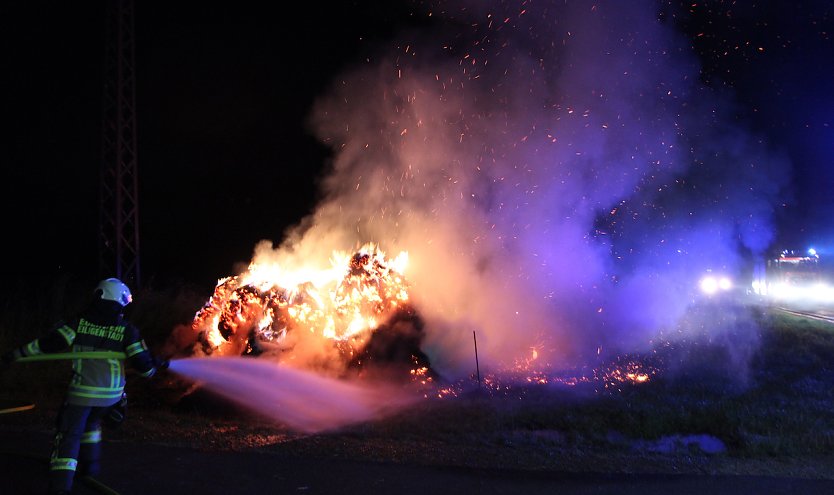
[{"x": 771, "y": 414}]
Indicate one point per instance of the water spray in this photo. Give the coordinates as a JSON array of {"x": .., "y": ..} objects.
[{"x": 300, "y": 399}]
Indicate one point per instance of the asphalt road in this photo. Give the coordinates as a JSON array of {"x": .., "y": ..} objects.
[{"x": 134, "y": 469}]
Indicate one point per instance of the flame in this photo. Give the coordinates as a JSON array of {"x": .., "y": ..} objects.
[
  {"x": 338, "y": 308},
  {"x": 341, "y": 305}
]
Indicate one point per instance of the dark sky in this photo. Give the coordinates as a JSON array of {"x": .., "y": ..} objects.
[
  {"x": 223, "y": 95},
  {"x": 778, "y": 61}
]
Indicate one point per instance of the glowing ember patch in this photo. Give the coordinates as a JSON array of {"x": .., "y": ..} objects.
[
  {"x": 637, "y": 377},
  {"x": 523, "y": 377}
]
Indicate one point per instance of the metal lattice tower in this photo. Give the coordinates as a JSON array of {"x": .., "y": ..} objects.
[{"x": 119, "y": 199}]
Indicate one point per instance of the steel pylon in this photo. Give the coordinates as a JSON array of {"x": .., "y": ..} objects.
[{"x": 119, "y": 198}]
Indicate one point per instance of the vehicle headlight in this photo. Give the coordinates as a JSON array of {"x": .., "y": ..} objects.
[{"x": 711, "y": 284}]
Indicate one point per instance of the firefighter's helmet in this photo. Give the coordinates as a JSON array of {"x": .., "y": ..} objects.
[{"x": 114, "y": 289}]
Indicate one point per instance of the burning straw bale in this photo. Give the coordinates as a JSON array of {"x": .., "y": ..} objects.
[{"x": 348, "y": 317}]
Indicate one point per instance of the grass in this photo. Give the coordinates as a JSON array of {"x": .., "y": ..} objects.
[
  {"x": 784, "y": 408},
  {"x": 772, "y": 406},
  {"x": 778, "y": 417}
]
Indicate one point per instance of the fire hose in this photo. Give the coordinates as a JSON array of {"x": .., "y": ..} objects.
[
  {"x": 68, "y": 356},
  {"x": 56, "y": 357},
  {"x": 87, "y": 480},
  {"x": 25, "y": 407},
  {"x": 73, "y": 355},
  {"x": 77, "y": 355}
]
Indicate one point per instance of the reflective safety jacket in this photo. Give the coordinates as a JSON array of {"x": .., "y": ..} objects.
[{"x": 96, "y": 382}]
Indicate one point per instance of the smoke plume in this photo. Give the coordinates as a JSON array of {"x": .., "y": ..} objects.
[{"x": 556, "y": 170}]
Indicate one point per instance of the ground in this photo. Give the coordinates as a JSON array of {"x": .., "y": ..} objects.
[{"x": 204, "y": 445}]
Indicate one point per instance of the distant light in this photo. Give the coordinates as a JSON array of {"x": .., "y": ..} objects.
[
  {"x": 812, "y": 252},
  {"x": 824, "y": 293},
  {"x": 760, "y": 287},
  {"x": 712, "y": 284},
  {"x": 818, "y": 293},
  {"x": 778, "y": 290},
  {"x": 709, "y": 285}
]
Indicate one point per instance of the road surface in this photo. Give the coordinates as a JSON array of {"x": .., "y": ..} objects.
[{"x": 143, "y": 469}]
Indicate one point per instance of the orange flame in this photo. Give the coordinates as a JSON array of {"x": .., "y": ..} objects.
[{"x": 342, "y": 304}]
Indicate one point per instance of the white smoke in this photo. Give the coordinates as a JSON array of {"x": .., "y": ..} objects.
[{"x": 556, "y": 171}]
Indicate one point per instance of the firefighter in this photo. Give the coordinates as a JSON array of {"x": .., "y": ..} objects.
[{"x": 97, "y": 385}]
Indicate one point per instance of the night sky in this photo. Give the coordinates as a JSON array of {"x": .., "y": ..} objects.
[{"x": 226, "y": 155}]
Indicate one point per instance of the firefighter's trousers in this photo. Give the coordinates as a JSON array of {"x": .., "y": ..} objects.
[{"x": 77, "y": 445}]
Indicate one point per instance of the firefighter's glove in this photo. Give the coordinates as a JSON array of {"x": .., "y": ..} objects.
[{"x": 117, "y": 412}]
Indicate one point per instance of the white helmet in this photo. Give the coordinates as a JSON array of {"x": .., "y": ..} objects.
[{"x": 114, "y": 289}]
